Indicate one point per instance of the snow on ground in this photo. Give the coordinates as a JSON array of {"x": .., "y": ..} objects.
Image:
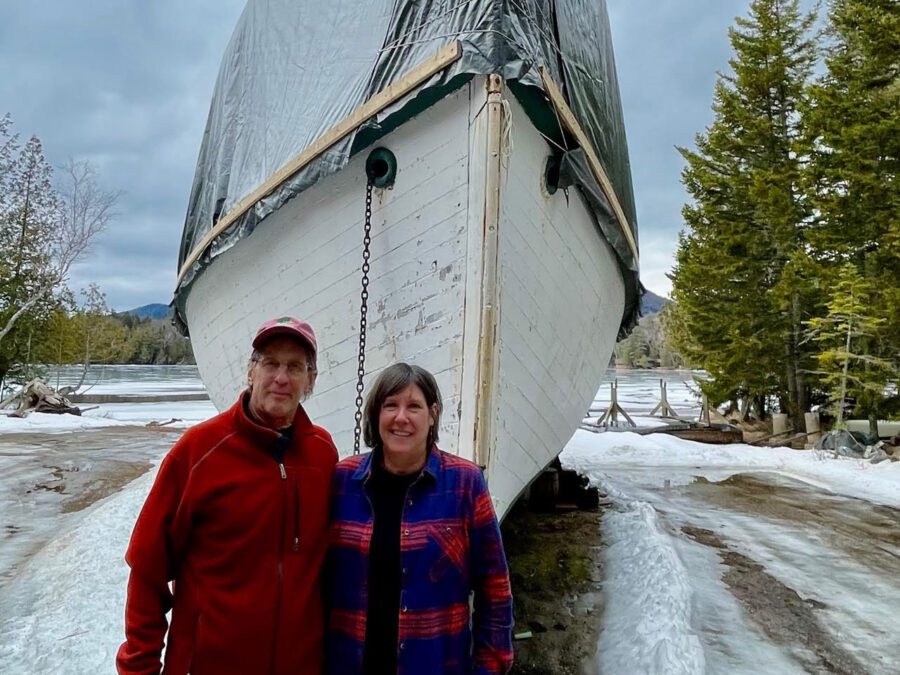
[
  {"x": 187, "y": 412},
  {"x": 858, "y": 592},
  {"x": 668, "y": 612},
  {"x": 110, "y": 415},
  {"x": 52, "y": 424},
  {"x": 646, "y": 581},
  {"x": 591, "y": 454},
  {"x": 730, "y": 640},
  {"x": 63, "y": 613}
]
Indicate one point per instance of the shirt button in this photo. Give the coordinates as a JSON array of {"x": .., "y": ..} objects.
[
  {"x": 405, "y": 571},
  {"x": 406, "y": 532},
  {"x": 409, "y": 502},
  {"x": 404, "y": 608},
  {"x": 402, "y": 645}
]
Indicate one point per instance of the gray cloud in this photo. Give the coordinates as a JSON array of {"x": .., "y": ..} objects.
[
  {"x": 667, "y": 54},
  {"x": 126, "y": 86}
]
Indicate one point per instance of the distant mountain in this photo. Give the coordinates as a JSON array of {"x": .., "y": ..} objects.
[
  {"x": 652, "y": 303},
  {"x": 153, "y": 311}
]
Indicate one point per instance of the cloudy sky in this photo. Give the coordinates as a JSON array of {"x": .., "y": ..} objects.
[{"x": 126, "y": 84}]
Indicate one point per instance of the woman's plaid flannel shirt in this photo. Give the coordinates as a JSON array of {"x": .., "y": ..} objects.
[{"x": 449, "y": 546}]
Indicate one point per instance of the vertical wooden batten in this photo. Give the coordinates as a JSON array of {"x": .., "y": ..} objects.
[{"x": 490, "y": 307}]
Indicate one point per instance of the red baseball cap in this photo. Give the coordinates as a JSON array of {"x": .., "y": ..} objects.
[{"x": 286, "y": 325}]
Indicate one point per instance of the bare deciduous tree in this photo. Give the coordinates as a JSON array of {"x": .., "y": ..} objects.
[{"x": 84, "y": 212}]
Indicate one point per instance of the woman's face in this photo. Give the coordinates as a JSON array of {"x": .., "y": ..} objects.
[{"x": 403, "y": 424}]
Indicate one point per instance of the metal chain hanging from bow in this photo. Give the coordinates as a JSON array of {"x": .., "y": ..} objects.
[{"x": 363, "y": 310}]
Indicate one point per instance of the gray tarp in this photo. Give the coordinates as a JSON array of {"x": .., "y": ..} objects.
[{"x": 294, "y": 68}]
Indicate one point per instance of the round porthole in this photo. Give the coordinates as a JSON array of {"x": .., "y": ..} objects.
[{"x": 381, "y": 168}]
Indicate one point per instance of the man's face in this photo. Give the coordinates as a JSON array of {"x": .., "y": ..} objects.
[{"x": 278, "y": 379}]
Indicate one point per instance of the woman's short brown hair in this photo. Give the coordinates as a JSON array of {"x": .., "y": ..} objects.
[{"x": 391, "y": 380}]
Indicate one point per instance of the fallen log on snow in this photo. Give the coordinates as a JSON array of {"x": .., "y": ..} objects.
[{"x": 38, "y": 396}]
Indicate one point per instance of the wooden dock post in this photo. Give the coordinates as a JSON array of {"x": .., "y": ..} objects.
[
  {"x": 663, "y": 407},
  {"x": 813, "y": 429},
  {"x": 611, "y": 416},
  {"x": 704, "y": 412}
]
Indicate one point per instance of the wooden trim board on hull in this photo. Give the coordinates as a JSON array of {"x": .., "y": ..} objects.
[
  {"x": 501, "y": 289},
  {"x": 568, "y": 118}
]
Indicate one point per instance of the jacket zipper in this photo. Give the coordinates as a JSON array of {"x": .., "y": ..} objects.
[
  {"x": 280, "y": 589},
  {"x": 296, "y": 515}
]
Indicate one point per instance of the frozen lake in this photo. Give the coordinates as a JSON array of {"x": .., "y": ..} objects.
[
  {"x": 130, "y": 380},
  {"x": 639, "y": 391}
]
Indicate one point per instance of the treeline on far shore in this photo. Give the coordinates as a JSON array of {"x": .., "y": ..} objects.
[
  {"x": 84, "y": 337},
  {"x": 649, "y": 345}
]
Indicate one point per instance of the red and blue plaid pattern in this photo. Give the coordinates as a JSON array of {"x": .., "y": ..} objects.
[{"x": 449, "y": 546}]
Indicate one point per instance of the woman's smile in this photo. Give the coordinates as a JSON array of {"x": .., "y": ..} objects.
[{"x": 403, "y": 424}]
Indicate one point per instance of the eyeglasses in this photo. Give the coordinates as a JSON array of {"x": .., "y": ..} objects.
[{"x": 294, "y": 369}]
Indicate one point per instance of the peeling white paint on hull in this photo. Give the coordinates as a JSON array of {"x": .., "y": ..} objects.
[{"x": 555, "y": 311}]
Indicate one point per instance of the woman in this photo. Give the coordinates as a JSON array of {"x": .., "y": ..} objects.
[{"x": 413, "y": 534}]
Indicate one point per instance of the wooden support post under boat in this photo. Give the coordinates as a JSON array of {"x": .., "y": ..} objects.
[
  {"x": 391, "y": 94},
  {"x": 611, "y": 416},
  {"x": 487, "y": 340}
]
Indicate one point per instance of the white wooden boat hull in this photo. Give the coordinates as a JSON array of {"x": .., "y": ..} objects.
[{"x": 509, "y": 295}]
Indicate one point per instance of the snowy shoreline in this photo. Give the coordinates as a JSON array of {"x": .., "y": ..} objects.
[
  {"x": 187, "y": 413},
  {"x": 595, "y": 454}
]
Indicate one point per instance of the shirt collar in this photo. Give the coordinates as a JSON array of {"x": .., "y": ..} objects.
[{"x": 431, "y": 469}]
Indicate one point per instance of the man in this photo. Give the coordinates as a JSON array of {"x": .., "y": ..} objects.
[{"x": 237, "y": 520}]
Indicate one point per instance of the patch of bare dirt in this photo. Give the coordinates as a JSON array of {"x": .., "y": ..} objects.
[
  {"x": 869, "y": 533},
  {"x": 778, "y": 610},
  {"x": 556, "y": 571},
  {"x": 105, "y": 485}
]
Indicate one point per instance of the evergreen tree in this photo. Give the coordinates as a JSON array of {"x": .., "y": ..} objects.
[
  {"x": 854, "y": 123},
  {"x": 740, "y": 283},
  {"x": 844, "y": 335},
  {"x": 27, "y": 222},
  {"x": 8, "y": 151}
]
